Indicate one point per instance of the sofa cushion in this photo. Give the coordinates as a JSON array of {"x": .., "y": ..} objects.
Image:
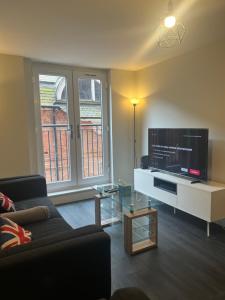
[
  {"x": 11, "y": 234},
  {"x": 42, "y": 201},
  {"x": 44, "y": 229},
  {"x": 24, "y": 187},
  {"x": 29, "y": 215},
  {"x": 6, "y": 204},
  {"x": 53, "y": 239},
  {"x": 47, "y": 227}
]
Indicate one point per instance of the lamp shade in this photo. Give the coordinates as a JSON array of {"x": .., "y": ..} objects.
[{"x": 134, "y": 101}]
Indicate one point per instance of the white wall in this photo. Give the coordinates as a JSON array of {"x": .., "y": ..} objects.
[
  {"x": 122, "y": 89},
  {"x": 187, "y": 91},
  {"x": 14, "y": 112}
]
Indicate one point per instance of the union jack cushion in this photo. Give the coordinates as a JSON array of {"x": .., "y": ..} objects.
[
  {"x": 12, "y": 235},
  {"x": 6, "y": 204}
]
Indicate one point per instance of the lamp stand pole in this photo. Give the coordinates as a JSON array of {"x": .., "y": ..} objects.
[{"x": 135, "y": 164}]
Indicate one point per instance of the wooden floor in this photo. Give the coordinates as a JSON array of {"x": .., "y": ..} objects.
[{"x": 186, "y": 264}]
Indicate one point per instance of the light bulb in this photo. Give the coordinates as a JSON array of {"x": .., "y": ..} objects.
[{"x": 169, "y": 21}]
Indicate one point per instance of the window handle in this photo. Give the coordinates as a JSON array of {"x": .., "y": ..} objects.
[
  {"x": 78, "y": 131},
  {"x": 70, "y": 129}
]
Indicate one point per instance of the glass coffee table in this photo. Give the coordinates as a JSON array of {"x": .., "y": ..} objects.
[{"x": 116, "y": 203}]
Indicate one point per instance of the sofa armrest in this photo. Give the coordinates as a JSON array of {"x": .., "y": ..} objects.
[
  {"x": 80, "y": 266},
  {"x": 21, "y": 188}
]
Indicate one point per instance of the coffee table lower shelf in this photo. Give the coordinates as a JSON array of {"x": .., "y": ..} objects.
[
  {"x": 132, "y": 247},
  {"x": 142, "y": 246}
]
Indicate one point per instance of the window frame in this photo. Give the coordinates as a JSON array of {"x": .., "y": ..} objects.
[
  {"x": 73, "y": 96},
  {"x": 95, "y": 74}
]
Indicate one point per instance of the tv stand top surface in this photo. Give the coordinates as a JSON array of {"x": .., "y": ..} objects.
[{"x": 209, "y": 186}]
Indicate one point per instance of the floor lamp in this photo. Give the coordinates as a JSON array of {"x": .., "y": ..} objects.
[{"x": 134, "y": 102}]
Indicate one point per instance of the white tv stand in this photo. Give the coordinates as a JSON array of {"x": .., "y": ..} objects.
[{"x": 205, "y": 201}]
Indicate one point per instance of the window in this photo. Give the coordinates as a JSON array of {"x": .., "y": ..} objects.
[
  {"x": 72, "y": 126},
  {"x": 91, "y": 122},
  {"x": 55, "y": 127}
]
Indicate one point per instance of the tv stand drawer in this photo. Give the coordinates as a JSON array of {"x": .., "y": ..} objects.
[
  {"x": 165, "y": 185},
  {"x": 144, "y": 183},
  {"x": 164, "y": 196}
]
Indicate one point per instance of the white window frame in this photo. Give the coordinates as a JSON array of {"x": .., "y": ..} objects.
[
  {"x": 70, "y": 74},
  {"x": 93, "y": 74}
]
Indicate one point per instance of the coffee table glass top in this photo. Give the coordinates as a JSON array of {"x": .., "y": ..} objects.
[
  {"x": 104, "y": 189},
  {"x": 128, "y": 199}
]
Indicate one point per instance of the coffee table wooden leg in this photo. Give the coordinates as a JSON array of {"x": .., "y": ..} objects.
[
  {"x": 97, "y": 211},
  {"x": 156, "y": 228},
  {"x": 128, "y": 234},
  {"x": 153, "y": 228}
]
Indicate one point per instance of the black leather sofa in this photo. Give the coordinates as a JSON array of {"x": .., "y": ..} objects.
[{"x": 73, "y": 263}]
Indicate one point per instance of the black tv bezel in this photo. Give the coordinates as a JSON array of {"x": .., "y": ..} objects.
[{"x": 203, "y": 179}]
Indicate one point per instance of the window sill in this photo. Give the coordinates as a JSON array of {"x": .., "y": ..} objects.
[
  {"x": 73, "y": 195},
  {"x": 68, "y": 192}
]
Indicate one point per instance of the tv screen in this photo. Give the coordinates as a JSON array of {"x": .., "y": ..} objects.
[{"x": 181, "y": 151}]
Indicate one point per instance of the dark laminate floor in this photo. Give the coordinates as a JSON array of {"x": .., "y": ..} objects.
[{"x": 186, "y": 264}]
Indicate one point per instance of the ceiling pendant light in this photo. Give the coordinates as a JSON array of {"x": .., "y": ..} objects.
[
  {"x": 171, "y": 32},
  {"x": 170, "y": 21}
]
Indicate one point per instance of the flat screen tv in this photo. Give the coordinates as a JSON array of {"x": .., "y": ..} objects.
[{"x": 183, "y": 151}]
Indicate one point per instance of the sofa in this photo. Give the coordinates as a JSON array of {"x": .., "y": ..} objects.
[{"x": 60, "y": 260}]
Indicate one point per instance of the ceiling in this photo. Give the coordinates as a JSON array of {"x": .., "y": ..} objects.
[{"x": 102, "y": 33}]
